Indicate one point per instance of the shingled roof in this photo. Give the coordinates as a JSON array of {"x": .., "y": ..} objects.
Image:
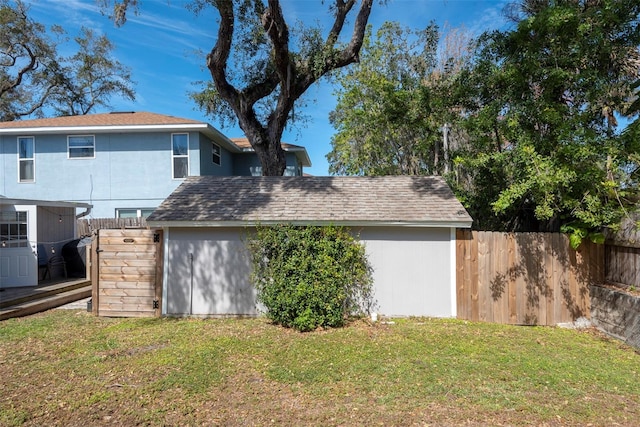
[
  {"x": 126, "y": 118},
  {"x": 242, "y": 200}
]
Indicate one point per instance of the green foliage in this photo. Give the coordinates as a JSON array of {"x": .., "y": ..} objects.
[
  {"x": 36, "y": 80},
  {"x": 392, "y": 105},
  {"x": 541, "y": 100},
  {"x": 310, "y": 277},
  {"x": 579, "y": 231}
]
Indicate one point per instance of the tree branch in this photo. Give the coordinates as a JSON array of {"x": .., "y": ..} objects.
[
  {"x": 342, "y": 10},
  {"x": 219, "y": 55},
  {"x": 276, "y": 28},
  {"x": 241, "y": 102},
  {"x": 346, "y": 56},
  {"x": 9, "y": 85}
]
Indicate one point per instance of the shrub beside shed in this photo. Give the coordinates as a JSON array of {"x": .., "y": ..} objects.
[{"x": 407, "y": 224}]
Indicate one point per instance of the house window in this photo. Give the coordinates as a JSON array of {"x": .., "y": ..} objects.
[
  {"x": 13, "y": 230},
  {"x": 134, "y": 213},
  {"x": 26, "y": 159},
  {"x": 180, "y": 155},
  {"x": 81, "y": 147},
  {"x": 216, "y": 157}
]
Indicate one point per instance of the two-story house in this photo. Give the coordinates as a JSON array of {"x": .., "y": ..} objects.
[{"x": 124, "y": 164}]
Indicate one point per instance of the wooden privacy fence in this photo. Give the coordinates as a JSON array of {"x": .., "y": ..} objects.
[
  {"x": 524, "y": 278},
  {"x": 622, "y": 265},
  {"x": 87, "y": 227},
  {"x": 622, "y": 254},
  {"x": 127, "y": 273}
]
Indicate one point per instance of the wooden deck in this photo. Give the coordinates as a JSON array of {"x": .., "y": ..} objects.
[{"x": 17, "y": 302}]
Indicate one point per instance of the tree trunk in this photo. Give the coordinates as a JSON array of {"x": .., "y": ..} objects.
[
  {"x": 272, "y": 157},
  {"x": 288, "y": 79}
]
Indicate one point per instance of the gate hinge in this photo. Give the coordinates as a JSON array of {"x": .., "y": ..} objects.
[
  {"x": 156, "y": 237},
  {"x": 156, "y": 304}
]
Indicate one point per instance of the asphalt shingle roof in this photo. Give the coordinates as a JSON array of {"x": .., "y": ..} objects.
[
  {"x": 106, "y": 119},
  {"x": 388, "y": 199}
]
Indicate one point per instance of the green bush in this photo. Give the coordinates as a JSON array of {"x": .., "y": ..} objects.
[{"x": 307, "y": 277}]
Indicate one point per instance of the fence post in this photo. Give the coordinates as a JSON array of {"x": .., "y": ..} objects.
[{"x": 95, "y": 285}]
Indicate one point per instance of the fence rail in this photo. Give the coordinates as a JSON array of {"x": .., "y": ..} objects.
[
  {"x": 524, "y": 278},
  {"x": 87, "y": 227}
]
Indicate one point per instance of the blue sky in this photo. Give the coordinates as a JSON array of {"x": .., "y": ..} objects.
[{"x": 160, "y": 47}]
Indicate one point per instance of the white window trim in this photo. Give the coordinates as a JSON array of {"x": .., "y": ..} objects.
[
  {"x": 33, "y": 159},
  {"x": 18, "y": 242},
  {"x": 138, "y": 211},
  {"x": 213, "y": 144},
  {"x": 81, "y": 158},
  {"x": 173, "y": 156}
]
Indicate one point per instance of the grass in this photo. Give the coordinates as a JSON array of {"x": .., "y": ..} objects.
[{"x": 69, "y": 368}]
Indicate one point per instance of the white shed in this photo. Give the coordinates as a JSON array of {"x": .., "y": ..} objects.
[
  {"x": 31, "y": 231},
  {"x": 407, "y": 224}
]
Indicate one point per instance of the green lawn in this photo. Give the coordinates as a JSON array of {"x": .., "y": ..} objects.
[{"x": 69, "y": 368}]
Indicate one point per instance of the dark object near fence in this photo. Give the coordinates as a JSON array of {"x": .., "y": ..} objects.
[{"x": 75, "y": 254}]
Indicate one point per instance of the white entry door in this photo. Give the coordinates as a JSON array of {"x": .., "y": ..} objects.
[{"x": 18, "y": 258}]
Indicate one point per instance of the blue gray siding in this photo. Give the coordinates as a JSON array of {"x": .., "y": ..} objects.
[
  {"x": 246, "y": 164},
  {"x": 127, "y": 169},
  {"x": 130, "y": 170},
  {"x": 207, "y": 167}
]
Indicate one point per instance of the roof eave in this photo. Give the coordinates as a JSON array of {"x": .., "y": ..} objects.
[
  {"x": 104, "y": 128},
  {"x": 351, "y": 223},
  {"x": 49, "y": 203},
  {"x": 302, "y": 155},
  {"x": 208, "y": 130},
  {"x": 219, "y": 138},
  {"x": 300, "y": 152}
]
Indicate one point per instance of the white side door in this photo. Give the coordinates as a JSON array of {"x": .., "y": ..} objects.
[{"x": 18, "y": 244}]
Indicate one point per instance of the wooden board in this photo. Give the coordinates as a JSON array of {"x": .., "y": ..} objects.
[
  {"x": 127, "y": 273},
  {"x": 525, "y": 278}
]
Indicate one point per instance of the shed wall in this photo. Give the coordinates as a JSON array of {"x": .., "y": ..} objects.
[
  {"x": 207, "y": 271},
  {"x": 412, "y": 274}
]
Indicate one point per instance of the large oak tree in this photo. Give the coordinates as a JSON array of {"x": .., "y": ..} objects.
[{"x": 261, "y": 66}]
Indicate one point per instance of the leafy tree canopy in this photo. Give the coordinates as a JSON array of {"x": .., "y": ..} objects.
[
  {"x": 392, "y": 106},
  {"x": 531, "y": 118},
  {"x": 542, "y": 101},
  {"x": 35, "y": 79}
]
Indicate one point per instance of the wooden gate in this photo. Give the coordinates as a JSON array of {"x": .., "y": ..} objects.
[{"x": 127, "y": 273}]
